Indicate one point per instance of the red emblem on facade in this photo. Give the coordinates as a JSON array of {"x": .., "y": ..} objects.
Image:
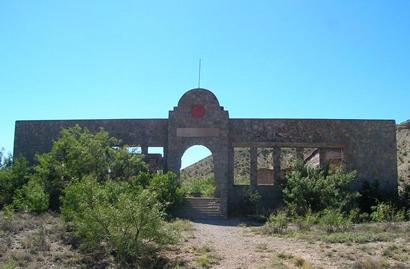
[{"x": 198, "y": 111}]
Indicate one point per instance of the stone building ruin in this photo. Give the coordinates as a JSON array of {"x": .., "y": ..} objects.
[{"x": 367, "y": 146}]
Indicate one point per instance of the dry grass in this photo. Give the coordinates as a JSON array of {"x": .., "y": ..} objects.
[
  {"x": 42, "y": 242},
  {"x": 30, "y": 241},
  {"x": 206, "y": 256}
]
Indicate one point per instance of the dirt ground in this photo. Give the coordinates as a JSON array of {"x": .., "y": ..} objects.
[
  {"x": 42, "y": 242},
  {"x": 231, "y": 244}
]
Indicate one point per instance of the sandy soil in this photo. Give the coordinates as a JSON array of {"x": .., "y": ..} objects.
[{"x": 237, "y": 246}]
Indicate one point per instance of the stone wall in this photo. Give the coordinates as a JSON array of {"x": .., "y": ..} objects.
[
  {"x": 36, "y": 136},
  {"x": 368, "y": 146}
]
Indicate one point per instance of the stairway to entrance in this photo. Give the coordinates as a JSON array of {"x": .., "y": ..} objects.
[{"x": 200, "y": 208}]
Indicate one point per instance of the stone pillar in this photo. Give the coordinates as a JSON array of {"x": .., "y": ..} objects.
[
  {"x": 253, "y": 166},
  {"x": 144, "y": 149},
  {"x": 221, "y": 172},
  {"x": 277, "y": 175},
  {"x": 230, "y": 166},
  {"x": 299, "y": 154}
]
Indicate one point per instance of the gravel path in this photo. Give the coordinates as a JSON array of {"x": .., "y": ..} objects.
[{"x": 239, "y": 247}]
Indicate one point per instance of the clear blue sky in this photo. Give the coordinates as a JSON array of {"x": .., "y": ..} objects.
[{"x": 134, "y": 59}]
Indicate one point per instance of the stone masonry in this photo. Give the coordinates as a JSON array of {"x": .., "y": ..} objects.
[{"x": 368, "y": 146}]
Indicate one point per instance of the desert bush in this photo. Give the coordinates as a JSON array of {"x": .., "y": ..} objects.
[
  {"x": 370, "y": 195},
  {"x": 355, "y": 216},
  {"x": 204, "y": 187},
  {"x": 334, "y": 221},
  {"x": 127, "y": 220},
  {"x": 7, "y": 218},
  {"x": 253, "y": 197},
  {"x": 305, "y": 223},
  {"x": 308, "y": 188},
  {"x": 79, "y": 153},
  {"x": 384, "y": 211},
  {"x": 166, "y": 189},
  {"x": 276, "y": 223},
  {"x": 31, "y": 197},
  {"x": 9, "y": 265},
  {"x": 13, "y": 175}
]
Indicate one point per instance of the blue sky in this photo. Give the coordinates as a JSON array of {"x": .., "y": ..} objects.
[{"x": 134, "y": 59}]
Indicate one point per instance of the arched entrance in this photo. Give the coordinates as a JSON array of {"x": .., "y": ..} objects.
[
  {"x": 197, "y": 172},
  {"x": 200, "y": 120}
]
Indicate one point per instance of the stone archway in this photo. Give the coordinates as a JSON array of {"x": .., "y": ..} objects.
[
  {"x": 197, "y": 172},
  {"x": 220, "y": 180},
  {"x": 200, "y": 120}
]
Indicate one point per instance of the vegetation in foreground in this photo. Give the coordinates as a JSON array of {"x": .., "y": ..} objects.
[
  {"x": 320, "y": 206},
  {"x": 115, "y": 213},
  {"x": 112, "y": 207}
]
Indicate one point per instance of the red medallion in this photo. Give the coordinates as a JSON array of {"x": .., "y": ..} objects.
[{"x": 198, "y": 111}]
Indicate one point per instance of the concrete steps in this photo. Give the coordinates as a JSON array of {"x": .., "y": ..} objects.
[{"x": 200, "y": 208}]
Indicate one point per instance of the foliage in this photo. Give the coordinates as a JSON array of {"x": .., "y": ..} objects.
[
  {"x": 387, "y": 212},
  {"x": 334, "y": 221},
  {"x": 203, "y": 187},
  {"x": 31, "y": 197},
  {"x": 354, "y": 216},
  {"x": 309, "y": 188},
  {"x": 253, "y": 196},
  {"x": 7, "y": 219},
  {"x": 166, "y": 189},
  {"x": 14, "y": 174},
  {"x": 79, "y": 153},
  {"x": 126, "y": 219},
  {"x": 305, "y": 223},
  {"x": 370, "y": 195},
  {"x": 276, "y": 223}
]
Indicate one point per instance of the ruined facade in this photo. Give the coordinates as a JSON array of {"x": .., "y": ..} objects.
[{"x": 367, "y": 146}]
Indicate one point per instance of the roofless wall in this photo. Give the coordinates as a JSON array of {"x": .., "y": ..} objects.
[{"x": 368, "y": 146}]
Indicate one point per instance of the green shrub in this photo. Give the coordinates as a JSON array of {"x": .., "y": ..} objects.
[
  {"x": 370, "y": 195},
  {"x": 308, "y": 188},
  {"x": 204, "y": 187},
  {"x": 31, "y": 197},
  {"x": 7, "y": 218},
  {"x": 305, "y": 223},
  {"x": 166, "y": 189},
  {"x": 253, "y": 198},
  {"x": 13, "y": 175},
  {"x": 355, "y": 215},
  {"x": 79, "y": 153},
  {"x": 387, "y": 212},
  {"x": 334, "y": 221},
  {"x": 276, "y": 223},
  {"x": 127, "y": 220}
]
